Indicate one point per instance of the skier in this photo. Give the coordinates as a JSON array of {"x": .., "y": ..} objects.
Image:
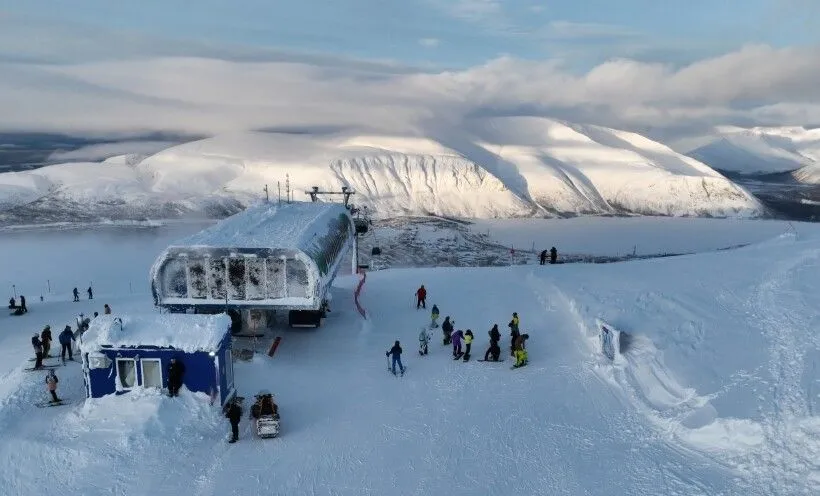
[
  {"x": 456, "y": 337},
  {"x": 424, "y": 340},
  {"x": 520, "y": 346},
  {"x": 38, "y": 350},
  {"x": 65, "y": 338},
  {"x": 447, "y": 329},
  {"x": 434, "y": 317},
  {"x": 76, "y": 295},
  {"x": 233, "y": 412},
  {"x": 543, "y": 257},
  {"x": 46, "y": 339},
  {"x": 23, "y": 304},
  {"x": 494, "y": 350},
  {"x": 468, "y": 342},
  {"x": 51, "y": 385},
  {"x": 396, "y": 352},
  {"x": 90, "y": 293},
  {"x": 421, "y": 297},
  {"x": 176, "y": 371},
  {"x": 106, "y": 309},
  {"x": 553, "y": 255}
]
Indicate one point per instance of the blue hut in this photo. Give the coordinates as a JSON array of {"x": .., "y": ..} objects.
[{"x": 121, "y": 353}]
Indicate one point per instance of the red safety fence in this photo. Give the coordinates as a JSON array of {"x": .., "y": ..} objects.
[{"x": 359, "y": 290}]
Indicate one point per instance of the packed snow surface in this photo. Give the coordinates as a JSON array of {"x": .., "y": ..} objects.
[
  {"x": 490, "y": 168},
  {"x": 189, "y": 333},
  {"x": 716, "y": 390}
]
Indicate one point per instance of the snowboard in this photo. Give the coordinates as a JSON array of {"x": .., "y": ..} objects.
[
  {"x": 492, "y": 361},
  {"x": 458, "y": 357},
  {"x": 45, "y": 358},
  {"x": 397, "y": 373},
  {"x": 519, "y": 366},
  {"x": 47, "y": 404}
]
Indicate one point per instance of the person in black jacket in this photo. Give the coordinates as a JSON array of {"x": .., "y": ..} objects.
[
  {"x": 23, "y": 304},
  {"x": 396, "y": 352},
  {"x": 38, "y": 350},
  {"x": 494, "y": 350},
  {"x": 553, "y": 255},
  {"x": 176, "y": 371},
  {"x": 233, "y": 412},
  {"x": 447, "y": 329}
]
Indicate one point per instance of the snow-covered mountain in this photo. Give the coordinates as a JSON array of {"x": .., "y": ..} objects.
[
  {"x": 500, "y": 167},
  {"x": 764, "y": 150}
]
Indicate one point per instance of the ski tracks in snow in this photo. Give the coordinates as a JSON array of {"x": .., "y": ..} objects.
[{"x": 790, "y": 458}]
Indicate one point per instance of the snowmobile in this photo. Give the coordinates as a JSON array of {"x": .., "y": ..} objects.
[{"x": 266, "y": 414}]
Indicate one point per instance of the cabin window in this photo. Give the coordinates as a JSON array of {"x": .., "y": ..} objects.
[
  {"x": 151, "y": 372},
  {"x": 127, "y": 372}
]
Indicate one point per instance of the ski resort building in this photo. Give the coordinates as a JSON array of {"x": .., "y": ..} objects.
[
  {"x": 271, "y": 257},
  {"x": 120, "y": 353}
]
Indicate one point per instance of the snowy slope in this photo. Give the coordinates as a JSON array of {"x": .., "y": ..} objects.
[
  {"x": 492, "y": 168},
  {"x": 764, "y": 150},
  {"x": 716, "y": 392}
]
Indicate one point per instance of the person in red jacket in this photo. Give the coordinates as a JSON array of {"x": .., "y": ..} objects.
[{"x": 421, "y": 297}]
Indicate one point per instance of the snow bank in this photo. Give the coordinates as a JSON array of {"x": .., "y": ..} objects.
[
  {"x": 492, "y": 168},
  {"x": 190, "y": 333}
]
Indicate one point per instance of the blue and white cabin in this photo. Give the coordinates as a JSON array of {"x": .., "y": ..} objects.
[{"x": 121, "y": 353}]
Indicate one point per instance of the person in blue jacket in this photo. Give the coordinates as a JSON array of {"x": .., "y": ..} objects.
[
  {"x": 396, "y": 352},
  {"x": 65, "y": 338}
]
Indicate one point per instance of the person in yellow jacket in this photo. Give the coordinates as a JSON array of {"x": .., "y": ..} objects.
[
  {"x": 468, "y": 341},
  {"x": 520, "y": 347}
]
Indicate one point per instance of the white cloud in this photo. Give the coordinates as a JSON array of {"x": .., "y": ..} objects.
[
  {"x": 429, "y": 42},
  {"x": 757, "y": 84},
  {"x": 567, "y": 30}
]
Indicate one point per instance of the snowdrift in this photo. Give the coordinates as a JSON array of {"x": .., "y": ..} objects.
[
  {"x": 764, "y": 150},
  {"x": 492, "y": 168}
]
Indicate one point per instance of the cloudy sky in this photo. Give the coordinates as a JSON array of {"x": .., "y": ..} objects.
[{"x": 671, "y": 69}]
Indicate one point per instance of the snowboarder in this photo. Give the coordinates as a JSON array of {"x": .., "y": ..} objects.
[
  {"x": 38, "y": 350},
  {"x": 468, "y": 342},
  {"x": 521, "y": 350},
  {"x": 434, "y": 317},
  {"x": 447, "y": 329},
  {"x": 76, "y": 294},
  {"x": 45, "y": 338},
  {"x": 494, "y": 350},
  {"x": 553, "y": 255},
  {"x": 23, "y": 304},
  {"x": 421, "y": 297},
  {"x": 106, "y": 309},
  {"x": 176, "y": 371},
  {"x": 424, "y": 340},
  {"x": 456, "y": 338},
  {"x": 543, "y": 257},
  {"x": 233, "y": 412},
  {"x": 51, "y": 385},
  {"x": 90, "y": 293},
  {"x": 396, "y": 352},
  {"x": 65, "y": 338},
  {"x": 513, "y": 325}
]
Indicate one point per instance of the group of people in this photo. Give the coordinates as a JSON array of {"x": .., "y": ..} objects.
[
  {"x": 18, "y": 309},
  {"x": 457, "y": 337},
  {"x": 90, "y": 292},
  {"x": 553, "y": 256}
]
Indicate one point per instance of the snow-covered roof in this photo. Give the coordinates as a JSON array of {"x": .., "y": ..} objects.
[
  {"x": 269, "y": 225},
  {"x": 189, "y": 333}
]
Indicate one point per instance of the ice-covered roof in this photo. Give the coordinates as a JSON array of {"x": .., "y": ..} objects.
[
  {"x": 269, "y": 225},
  {"x": 189, "y": 333}
]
